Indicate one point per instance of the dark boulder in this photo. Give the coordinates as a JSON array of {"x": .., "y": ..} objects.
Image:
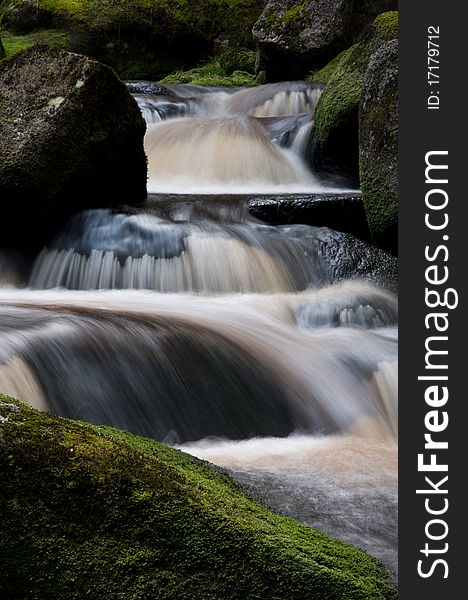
[
  {"x": 2, "y": 50},
  {"x": 72, "y": 138},
  {"x": 378, "y": 145},
  {"x": 295, "y": 37},
  {"x": 25, "y": 16},
  {"x": 337, "y": 114}
]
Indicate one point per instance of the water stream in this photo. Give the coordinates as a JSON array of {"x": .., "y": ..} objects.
[{"x": 270, "y": 351}]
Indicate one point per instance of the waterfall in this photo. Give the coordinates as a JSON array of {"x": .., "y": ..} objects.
[
  {"x": 311, "y": 380},
  {"x": 203, "y": 154},
  {"x": 270, "y": 351},
  {"x": 253, "y": 139},
  {"x": 204, "y": 254}
]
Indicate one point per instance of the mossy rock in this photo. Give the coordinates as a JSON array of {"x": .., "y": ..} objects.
[
  {"x": 144, "y": 39},
  {"x": 25, "y": 16},
  {"x": 295, "y": 37},
  {"x": 72, "y": 138},
  {"x": 337, "y": 112},
  {"x": 95, "y": 512},
  {"x": 237, "y": 59},
  {"x": 378, "y": 146}
]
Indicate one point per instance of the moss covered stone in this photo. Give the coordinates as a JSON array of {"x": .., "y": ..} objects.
[
  {"x": 337, "y": 113},
  {"x": 145, "y": 39},
  {"x": 378, "y": 145},
  {"x": 72, "y": 138},
  {"x": 294, "y": 37},
  {"x": 237, "y": 59},
  {"x": 95, "y": 512}
]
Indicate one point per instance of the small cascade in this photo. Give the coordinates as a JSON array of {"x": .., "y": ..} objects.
[
  {"x": 250, "y": 368},
  {"x": 206, "y": 254},
  {"x": 276, "y": 99},
  {"x": 271, "y": 351},
  {"x": 237, "y": 152}
]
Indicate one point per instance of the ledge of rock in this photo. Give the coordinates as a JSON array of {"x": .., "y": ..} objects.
[{"x": 343, "y": 212}]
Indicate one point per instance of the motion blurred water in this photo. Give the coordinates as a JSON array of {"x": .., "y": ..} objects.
[{"x": 270, "y": 351}]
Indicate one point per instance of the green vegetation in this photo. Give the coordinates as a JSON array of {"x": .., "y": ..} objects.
[
  {"x": 17, "y": 43},
  {"x": 213, "y": 73},
  {"x": 386, "y": 25},
  {"x": 95, "y": 512},
  {"x": 324, "y": 75},
  {"x": 139, "y": 38},
  {"x": 344, "y": 77},
  {"x": 378, "y": 137}
]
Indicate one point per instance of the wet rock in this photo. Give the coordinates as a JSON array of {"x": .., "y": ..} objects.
[
  {"x": 343, "y": 212},
  {"x": 348, "y": 257},
  {"x": 72, "y": 138},
  {"x": 295, "y": 37}
]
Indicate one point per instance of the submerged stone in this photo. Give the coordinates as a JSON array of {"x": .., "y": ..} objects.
[
  {"x": 97, "y": 512},
  {"x": 72, "y": 138}
]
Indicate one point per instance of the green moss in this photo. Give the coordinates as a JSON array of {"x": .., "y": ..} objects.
[
  {"x": 17, "y": 43},
  {"x": 212, "y": 73},
  {"x": 95, "y": 512},
  {"x": 324, "y": 75},
  {"x": 237, "y": 59},
  {"x": 336, "y": 115},
  {"x": 381, "y": 204},
  {"x": 386, "y": 25},
  {"x": 343, "y": 92},
  {"x": 378, "y": 132}
]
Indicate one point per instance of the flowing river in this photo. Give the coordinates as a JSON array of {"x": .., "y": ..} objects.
[{"x": 269, "y": 351}]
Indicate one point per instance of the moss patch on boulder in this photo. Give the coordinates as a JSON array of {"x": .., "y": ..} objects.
[
  {"x": 15, "y": 43},
  {"x": 92, "y": 511},
  {"x": 337, "y": 113}
]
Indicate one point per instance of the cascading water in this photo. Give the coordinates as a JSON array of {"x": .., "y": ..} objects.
[
  {"x": 202, "y": 140},
  {"x": 270, "y": 351}
]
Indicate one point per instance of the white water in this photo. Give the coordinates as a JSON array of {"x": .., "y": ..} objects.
[
  {"x": 239, "y": 342},
  {"x": 249, "y": 140},
  {"x": 203, "y": 154}
]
